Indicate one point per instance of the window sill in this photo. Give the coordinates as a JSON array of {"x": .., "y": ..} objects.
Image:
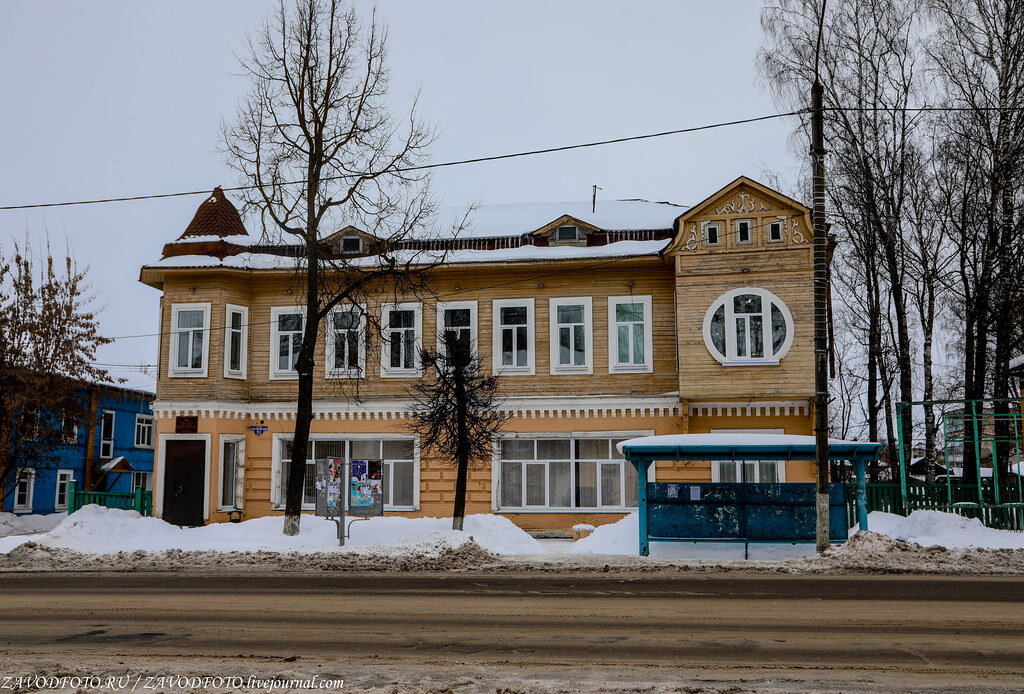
[
  {"x": 401, "y": 373},
  {"x": 513, "y": 371},
  {"x": 199, "y": 373},
  {"x": 145, "y": 448},
  {"x": 630, "y": 369},
  {"x": 22, "y": 509},
  {"x": 604, "y": 509},
  {"x": 283, "y": 376},
  {"x": 235, "y": 375},
  {"x": 341, "y": 375},
  {"x": 571, "y": 370},
  {"x": 752, "y": 362}
]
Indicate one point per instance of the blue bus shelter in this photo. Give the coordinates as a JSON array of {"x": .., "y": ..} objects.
[{"x": 742, "y": 511}]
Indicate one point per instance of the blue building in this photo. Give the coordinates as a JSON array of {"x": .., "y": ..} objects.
[{"x": 115, "y": 455}]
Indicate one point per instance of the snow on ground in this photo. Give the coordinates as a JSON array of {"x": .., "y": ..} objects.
[
  {"x": 940, "y": 529},
  {"x": 98, "y": 530},
  {"x": 15, "y": 524}
]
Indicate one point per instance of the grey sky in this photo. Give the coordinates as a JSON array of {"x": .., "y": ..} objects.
[{"x": 121, "y": 98}]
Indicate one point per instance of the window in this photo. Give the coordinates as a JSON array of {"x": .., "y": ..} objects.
[
  {"x": 749, "y": 471},
  {"x": 513, "y": 336},
  {"x": 630, "y": 341},
  {"x": 190, "y": 340},
  {"x": 24, "y": 489},
  {"x": 748, "y": 326},
  {"x": 401, "y": 325},
  {"x": 229, "y": 464},
  {"x": 564, "y": 473},
  {"x": 143, "y": 481},
  {"x": 64, "y": 478},
  {"x": 286, "y": 326},
  {"x": 458, "y": 317},
  {"x": 743, "y": 231},
  {"x": 236, "y": 341},
  {"x": 571, "y": 335},
  {"x": 397, "y": 455},
  {"x": 346, "y": 342},
  {"x": 567, "y": 235},
  {"x": 143, "y": 431},
  {"x": 351, "y": 244},
  {"x": 107, "y": 435},
  {"x": 775, "y": 232},
  {"x": 712, "y": 234}
]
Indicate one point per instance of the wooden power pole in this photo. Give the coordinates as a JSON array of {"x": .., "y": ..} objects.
[{"x": 820, "y": 318}]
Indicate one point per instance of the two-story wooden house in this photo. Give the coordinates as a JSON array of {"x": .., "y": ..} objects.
[{"x": 636, "y": 318}]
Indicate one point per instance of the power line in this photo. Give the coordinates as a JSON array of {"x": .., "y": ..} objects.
[{"x": 420, "y": 167}]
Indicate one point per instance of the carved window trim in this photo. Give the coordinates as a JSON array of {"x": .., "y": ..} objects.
[{"x": 731, "y": 357}]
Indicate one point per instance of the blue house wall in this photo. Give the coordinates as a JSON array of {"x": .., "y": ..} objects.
[{"x": 125, "y": 404}]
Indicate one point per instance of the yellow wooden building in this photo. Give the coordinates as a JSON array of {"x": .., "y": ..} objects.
[{"x": 629, "y": 319}]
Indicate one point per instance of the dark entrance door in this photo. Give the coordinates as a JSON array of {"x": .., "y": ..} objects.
[{"x": 184, "y": 465}]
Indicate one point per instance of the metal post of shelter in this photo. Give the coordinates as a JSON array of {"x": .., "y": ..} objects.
[{"x": 641, "y": 480}]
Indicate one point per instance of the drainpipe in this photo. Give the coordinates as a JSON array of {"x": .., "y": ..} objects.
[{"x": 90, "y": 441}]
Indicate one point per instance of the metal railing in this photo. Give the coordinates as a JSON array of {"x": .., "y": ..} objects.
[{"x": 139, "y": 500}]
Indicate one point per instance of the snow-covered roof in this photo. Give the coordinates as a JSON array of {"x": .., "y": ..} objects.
[
  {"x": 262, "y": 261},
  {"x": 716, "y": 443},
  {"x": 515, "y": 219}
]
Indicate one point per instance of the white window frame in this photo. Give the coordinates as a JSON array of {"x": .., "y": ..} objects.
[
  {"x": 64, "y": 477},
  {"x": 443, "y": 306},
  {"x": 718, "y": 235},
  {"x": 173, "y": 370},
  {"x": 386, "y": 371},
  {"x": 780, "y": 465},
  {"x": 531, "y": 342},
  {"x": 750, "y": 231},
  {"x": 613, "y": 336},
  {"x": 147, "y": 476},
  {"x": 243, "y": 341},
  {"x": 26, "y": 476},
  {"x": 588, "y": 334},
  {"x": 276, "y": 462},
  {"x": 341, "y": 244},
  {"x": 239, "y": 492},
  {"x": 277, "y": 374},
  {"x": 141, "y": 419},
  {"x": 105, "y": 441},
  {"x": 775, "y": 225},
  {"x": 496, "y": 463},
  {"x": 331, "y": 344},
  {"x": 730, "y": 358}
]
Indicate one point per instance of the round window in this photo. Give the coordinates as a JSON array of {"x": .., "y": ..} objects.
[{"x": 748, "y": 325}]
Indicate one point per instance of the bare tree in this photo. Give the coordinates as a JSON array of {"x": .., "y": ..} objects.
[
  {"x": 48, "y": 342},
  {"x": 456, "y": 413},
  {"x": 870, "y": 77},
  {"x": 322, "y": 151},
  {"x": 977, "y": 51}
]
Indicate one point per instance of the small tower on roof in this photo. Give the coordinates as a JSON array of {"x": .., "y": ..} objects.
[{"x": 216, "y": 230}]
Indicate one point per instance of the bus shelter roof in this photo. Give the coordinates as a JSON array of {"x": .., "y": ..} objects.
[{"x": 724, "y": 446}]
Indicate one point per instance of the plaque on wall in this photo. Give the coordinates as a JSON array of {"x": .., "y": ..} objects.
[{"x": 186, "y": 425}]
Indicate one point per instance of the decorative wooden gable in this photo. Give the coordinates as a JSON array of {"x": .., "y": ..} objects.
[{"x": 743, "y": 215}]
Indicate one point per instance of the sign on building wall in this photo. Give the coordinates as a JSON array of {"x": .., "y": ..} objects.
[{"x": 366, "y": 488}]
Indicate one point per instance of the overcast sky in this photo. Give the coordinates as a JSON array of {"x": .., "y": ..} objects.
[{"x": 109, "y": 99}]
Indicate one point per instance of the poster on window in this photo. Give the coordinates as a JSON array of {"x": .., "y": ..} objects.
[
  {"x": 330, "y": 476},
  {"x": 366, "y": 488}
]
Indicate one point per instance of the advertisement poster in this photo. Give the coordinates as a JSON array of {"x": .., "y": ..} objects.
[
  {"x": 335, "y": 476},
  {"x": 365, "y": 483}
]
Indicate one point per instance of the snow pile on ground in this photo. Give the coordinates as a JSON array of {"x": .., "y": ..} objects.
[
  {"x": 15, "y": 524},
  {"x": 98, "y": 530},
  {"x": 621, "y": 537},
  {"x": 940, "y": 529}
]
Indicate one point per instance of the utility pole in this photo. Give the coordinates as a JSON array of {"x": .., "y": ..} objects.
[{"x": 820, "y": 318}]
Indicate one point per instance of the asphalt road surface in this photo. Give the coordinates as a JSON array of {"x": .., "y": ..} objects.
[{"x": 516, "y": 633}]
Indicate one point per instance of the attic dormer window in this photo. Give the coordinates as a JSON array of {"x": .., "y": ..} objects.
[
  {"x": 567, "y": 233},
  {"x": 351, "y": 244}
]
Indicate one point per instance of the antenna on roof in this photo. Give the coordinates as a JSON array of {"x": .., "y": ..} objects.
[{"x": 593, "y": 203}]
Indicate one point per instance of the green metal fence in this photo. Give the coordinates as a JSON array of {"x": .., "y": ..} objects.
[
  {"x": 138, "y": 500},
  {"x": 964, "y": 499}
]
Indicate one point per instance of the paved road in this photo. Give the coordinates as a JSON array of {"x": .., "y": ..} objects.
[{"x": 478, "y": 632}]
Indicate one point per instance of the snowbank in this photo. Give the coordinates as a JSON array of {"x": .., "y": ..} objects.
[
  {"x": 14, "y": 524},
  {"x": 98, "y": 530},
  {"x": 940, "y": 529},
  {"x": 615, "y": 538}
]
